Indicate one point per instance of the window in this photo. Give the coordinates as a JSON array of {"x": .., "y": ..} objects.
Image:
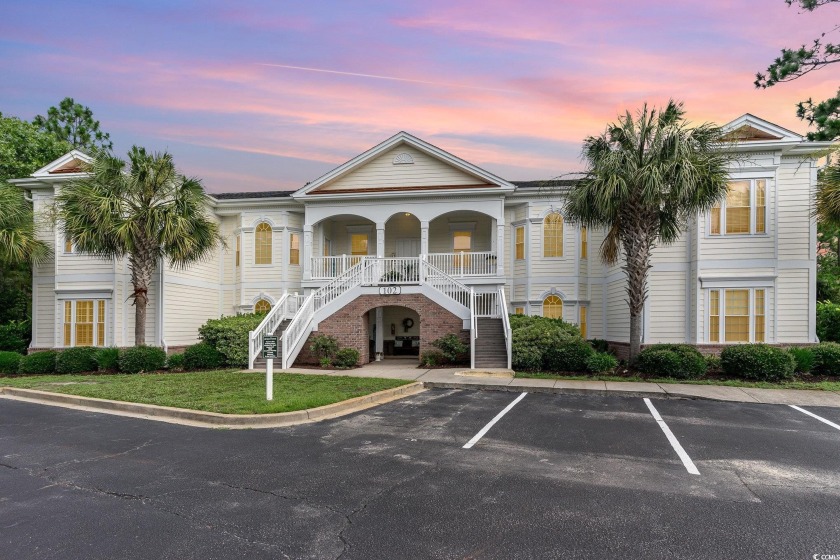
[
  {"x": 68, "y": 245},
  {"x": 262, "y": 306},
  {"x": 359, "y": 244},
  {"x": 744, "y": 211},
  {"x": 238, "y": 248},
  {"x": 294, "y": 248},
  {"x": 519, "y": 243},
  {"x": 733, "y": 319},
  {"x": 519, "y": 311},
  {"x": 84, "y": 323},
  {"x": 553, "y": 307},
  {"x": 582, "y": 321},
  {"x": 461, "y": 244},
  {"x": 262, "y": 244},
  {"x": 584, "y": 243},
  {"x": 553, "y": 235}
]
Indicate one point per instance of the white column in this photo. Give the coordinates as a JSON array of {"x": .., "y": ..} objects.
[
  {"x": 380, "y": 335},
  {"x": 500, "y": 247},
  {"x": 380, "y": 239},
  {"x": 424, "y": 238},
  {"x": 307, "y": 251}
]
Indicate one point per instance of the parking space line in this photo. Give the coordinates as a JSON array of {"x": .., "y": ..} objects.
[
  {"x": 689, "y": 464},
  {"x": 489, "y": 425},
  {"x": 820, "y": 418}
]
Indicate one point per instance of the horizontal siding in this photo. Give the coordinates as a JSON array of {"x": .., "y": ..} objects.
[
  {"x": 666, "y": 300},
  {"x": 793, "y": 305},
  {"x": 187, "y": 308}
]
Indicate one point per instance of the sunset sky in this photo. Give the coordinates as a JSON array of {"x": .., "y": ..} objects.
[{"x": 269, "y": 96}]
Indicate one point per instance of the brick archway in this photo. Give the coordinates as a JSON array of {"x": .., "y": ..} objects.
[{"x": 350, "y": 325}]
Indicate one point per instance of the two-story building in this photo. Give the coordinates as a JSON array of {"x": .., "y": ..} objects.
[{"x": 406, "y": 242}]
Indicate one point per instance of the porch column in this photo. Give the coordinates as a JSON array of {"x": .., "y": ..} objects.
[
  {"x": 424, "y": 238},
  {"x": 307, "y": 251},
  {"x": 380, "y": 239},
  {"x": 380, "y": 335},
  {"x": 500, "y": 247}
]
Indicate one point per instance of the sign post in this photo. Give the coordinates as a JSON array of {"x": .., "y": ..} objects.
[{"x": 269, "y": 353}]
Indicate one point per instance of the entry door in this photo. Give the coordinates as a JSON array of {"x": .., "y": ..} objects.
[{"x": 408, "y": 247}]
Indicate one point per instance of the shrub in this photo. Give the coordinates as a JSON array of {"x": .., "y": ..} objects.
[
  {"x": 432, "y": 358},
  {"x": 107, "y": 359},
  {"x": 601, "y": 362},
  {"x": 9, "y": 361},
  {"x": 531, "y": 341},
  {"x": 346, "y": 358},
  {"x": 175, "y": 362},
  {"x": 713, "y": 363},
  {"x": 828, "y": 321},
  {"x": 452, "y": 348},
  {"x": 15, "y": 336},
  {"x": 229, "y": 335},
  {"x": 523, "y": 321},
  {"x": 570, "y": 355},
  {"x": 325, "y": 362},
  {"x": 79, "y": 359},
  {"x": 826, "y": 358},
  {"x": 757, "y": 361},
  {"x": 38, "y": 363},
  {"x": 680, "y": 361},
  {"x": 142, "y": 358},
  {"x": 803, "y": 358},
  {"x": 324, "y": 346},
  {"x": 599, "y": 345},
  {"x": 526, "y": 358},
  {"x": 202, "y": 356}
]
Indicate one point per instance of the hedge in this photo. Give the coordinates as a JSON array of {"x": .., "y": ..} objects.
[
  {"x": 346, "y": 358},
  {"x": 826, "y": 358},
  {"x": 79, "y": 359},
  {"x": 452, "y": 348},
  {"x": 757, "y": 361},
  {"x": 142, "y": 359},
  {"x": 15, "y": 336},
  {"x": 202, "y": 356},
  {"x": 569, "y": 355},
  {"x": 229, "y": 335},
  {"x": 680, "y": 361},
  {"x": 521, "y": 321},
  {"x": 601, "y": 362},
  {"x": 9, "y": 362},
  {"x": 38, "y": 363},
  {"x": 175, "y": 362},
  {"x": 107, "y": 359},
  {"x": 828, "y": 321},
  {"x": 803, "y": 359}
]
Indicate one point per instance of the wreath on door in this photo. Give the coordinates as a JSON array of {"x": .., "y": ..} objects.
[{"x": 408, "y": 322}]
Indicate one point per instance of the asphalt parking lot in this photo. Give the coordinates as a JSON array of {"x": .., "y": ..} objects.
[{"x": 556, "y": 476}]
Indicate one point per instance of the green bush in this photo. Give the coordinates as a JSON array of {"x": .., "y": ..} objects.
[
  {"x": 570, "y": 355},
  {"x": 599, "y": 344},
  {"x": 523, "y": 321},
  {"x": 757, "y": 361},
  {"x": 202, "y": 356},
  {"x": 324, "y": 346},
  {"x": 229, "y": 335},
  {"x": 828, "y": 321},
  {"x": 432, "y": 358},
  {"x": 713, "y": 363},
  {"x": 175, "y": 362},
  {"x": 107, "y": 359},
  {"x": 803, "y": 358},
  {"x": 79, "y": 359},
  {"x": 38, "y": 363},
  {"x": 142, "y": 358},
  {"x": 601, "y": 362},
  {"x": 680, "y": 361},
  {"x": 346, "y": 358},
  {"x": 530, "y": 343},
  {"x": 452, "y": 348},
  {"x": 9, "y": 362},
  {"x": 15, "y": 336},
  {"x": 826, "y": 358}
]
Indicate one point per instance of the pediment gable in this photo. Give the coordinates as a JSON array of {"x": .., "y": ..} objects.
[
  {"x": 68, "y": 164},
  {"x": 749, "y": 128}
]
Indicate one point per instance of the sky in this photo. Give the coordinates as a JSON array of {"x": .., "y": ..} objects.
[{"x": 267, "y": 95}]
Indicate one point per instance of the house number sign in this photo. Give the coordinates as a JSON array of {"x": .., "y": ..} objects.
[{"x": 390, "y": 290}]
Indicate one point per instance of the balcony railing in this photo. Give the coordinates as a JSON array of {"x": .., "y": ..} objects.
[{"x": 404, "y": 269}]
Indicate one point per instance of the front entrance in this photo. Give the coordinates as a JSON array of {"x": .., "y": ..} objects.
[
  {"x": 408, "y": 247},
  {"x": 394, "y": 332}
]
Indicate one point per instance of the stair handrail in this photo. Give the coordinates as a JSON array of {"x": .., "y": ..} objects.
[
  {"x": 503, "y": 311},
  {"x": 473, "y": 328},
  {"x": 268, "y": 325},
  {"x": 296, "y": 328},
  {"x": 444, "y": 283}
]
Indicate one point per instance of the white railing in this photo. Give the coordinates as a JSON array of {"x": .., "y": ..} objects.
[
  {"x": 393, "y": 270},
  {"x": 332, "y": 267},
  {"x": 444, "y": 283},
  {"x": 284, "y": 309},
  {"x": 503, "y": 311},
  {"x": 298, "y": 328},
  {"x": 482, "y": 263},
  {"x": 473, "y": 328}
]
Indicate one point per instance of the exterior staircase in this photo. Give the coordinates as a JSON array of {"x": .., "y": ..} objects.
[
  {"x": 490, "y": 347},
  {"x": 259, "y": 361}
]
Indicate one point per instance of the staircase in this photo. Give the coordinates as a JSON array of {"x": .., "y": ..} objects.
[
  {"x": 259, "y": 361},
  {"x": 490, "y": 347}
]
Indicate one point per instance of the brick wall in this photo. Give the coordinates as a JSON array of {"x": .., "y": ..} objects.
[{"x": 350, "y": 325}]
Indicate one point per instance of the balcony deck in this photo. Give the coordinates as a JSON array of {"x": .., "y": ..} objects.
[{"x": 462, "y": 265}]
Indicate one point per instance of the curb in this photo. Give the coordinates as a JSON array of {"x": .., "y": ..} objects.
[
  {"x": 547, "y": 390},
  {"x": 204, "y": 419}
]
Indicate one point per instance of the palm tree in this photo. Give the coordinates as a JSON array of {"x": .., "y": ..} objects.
[
  {"x": 143, "y": 210},
  {"x": 19, "y": 242},
  {"x": 646, "y": 177},
  {"x": 827, "y": 208}
]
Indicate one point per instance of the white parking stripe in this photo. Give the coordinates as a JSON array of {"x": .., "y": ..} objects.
[
  {"x": 489, "y": 425},
  {"x": 689, "y": 465},
  {"x": 820, "y": 418}
]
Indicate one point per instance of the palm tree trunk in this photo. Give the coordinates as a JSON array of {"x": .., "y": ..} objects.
[
  {"x": 637, "y": 243},
  {"x": 142, "y": 266}
]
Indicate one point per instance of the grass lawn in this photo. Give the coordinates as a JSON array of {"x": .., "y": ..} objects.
[
  {"x": 792, "y": 384},
  {"x": 231, "y": 392}
]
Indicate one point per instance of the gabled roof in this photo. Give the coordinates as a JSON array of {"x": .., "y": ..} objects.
[
  {"x": 483, "y": 178},
  {"x": 72, "y": 162},
  {"x": 749, "y": 128}
]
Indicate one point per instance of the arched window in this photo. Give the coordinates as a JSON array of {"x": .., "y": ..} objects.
[
  {"x": 262, "y": 306},
  {"x": 553, "y": 307},
  {"x": 553, "y": 235},
  {"x": 262, "y": 244}
]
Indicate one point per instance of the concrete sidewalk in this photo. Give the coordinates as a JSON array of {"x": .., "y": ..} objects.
[{"x": 455, "y": 378}]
